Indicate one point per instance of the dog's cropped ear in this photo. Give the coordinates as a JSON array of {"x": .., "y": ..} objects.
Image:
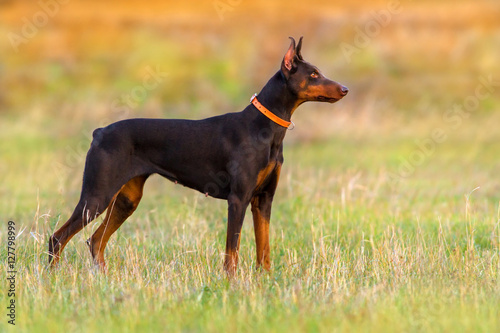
[
  {"x": 287, "y": 64},
  {"x": 297, "y": 49}
]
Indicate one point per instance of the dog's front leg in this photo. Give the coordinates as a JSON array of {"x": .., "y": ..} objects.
[
  {"x": 261, "y": 210},
  {"x": 236, "y": 213}
]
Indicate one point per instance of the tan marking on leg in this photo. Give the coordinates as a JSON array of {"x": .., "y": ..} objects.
[{"x": 121, "y": 207}]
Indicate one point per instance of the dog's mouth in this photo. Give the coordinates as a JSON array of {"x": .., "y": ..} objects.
[{"x": 327, "y": 99}]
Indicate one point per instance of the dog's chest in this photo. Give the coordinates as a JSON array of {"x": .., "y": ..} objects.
[{"x": 273, "y": 161}]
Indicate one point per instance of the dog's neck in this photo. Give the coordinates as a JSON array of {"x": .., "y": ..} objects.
[{"x": 277, "y": 97}]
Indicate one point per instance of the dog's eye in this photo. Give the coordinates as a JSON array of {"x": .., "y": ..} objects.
[{"x": 314, "y": 75}]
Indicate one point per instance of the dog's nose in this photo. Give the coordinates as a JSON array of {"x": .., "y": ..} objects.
[{"x": 344, "y": 90}]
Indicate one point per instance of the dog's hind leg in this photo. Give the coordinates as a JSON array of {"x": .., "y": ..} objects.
[
  {"x": 121, "y": 207},
  {"x": 103, "y": 176},
  {"x": 85, "y": 211}
]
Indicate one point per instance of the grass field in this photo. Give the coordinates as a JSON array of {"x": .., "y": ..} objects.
[{"x": 387, "y": 215}]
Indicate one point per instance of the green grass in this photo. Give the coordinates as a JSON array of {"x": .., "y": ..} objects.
[{"x": 350, "y": 252}]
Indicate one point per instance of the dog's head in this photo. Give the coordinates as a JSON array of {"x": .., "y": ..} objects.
[{"x": 306, "y": 81}]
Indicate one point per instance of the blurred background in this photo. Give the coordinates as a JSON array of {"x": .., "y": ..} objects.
[{"x": 413, "y": 68}]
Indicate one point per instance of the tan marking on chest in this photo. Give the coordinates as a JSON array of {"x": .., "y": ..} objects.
[{"x": 264, "y": 174}]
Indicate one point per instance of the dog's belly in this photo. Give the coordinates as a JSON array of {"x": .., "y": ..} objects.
[{"x": 208, "y": 182}]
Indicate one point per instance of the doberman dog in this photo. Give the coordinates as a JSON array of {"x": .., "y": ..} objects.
[{"x": 236, "y": 157}]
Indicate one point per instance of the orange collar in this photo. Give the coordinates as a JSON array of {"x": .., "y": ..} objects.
[{"x": 269, "y": 114}]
